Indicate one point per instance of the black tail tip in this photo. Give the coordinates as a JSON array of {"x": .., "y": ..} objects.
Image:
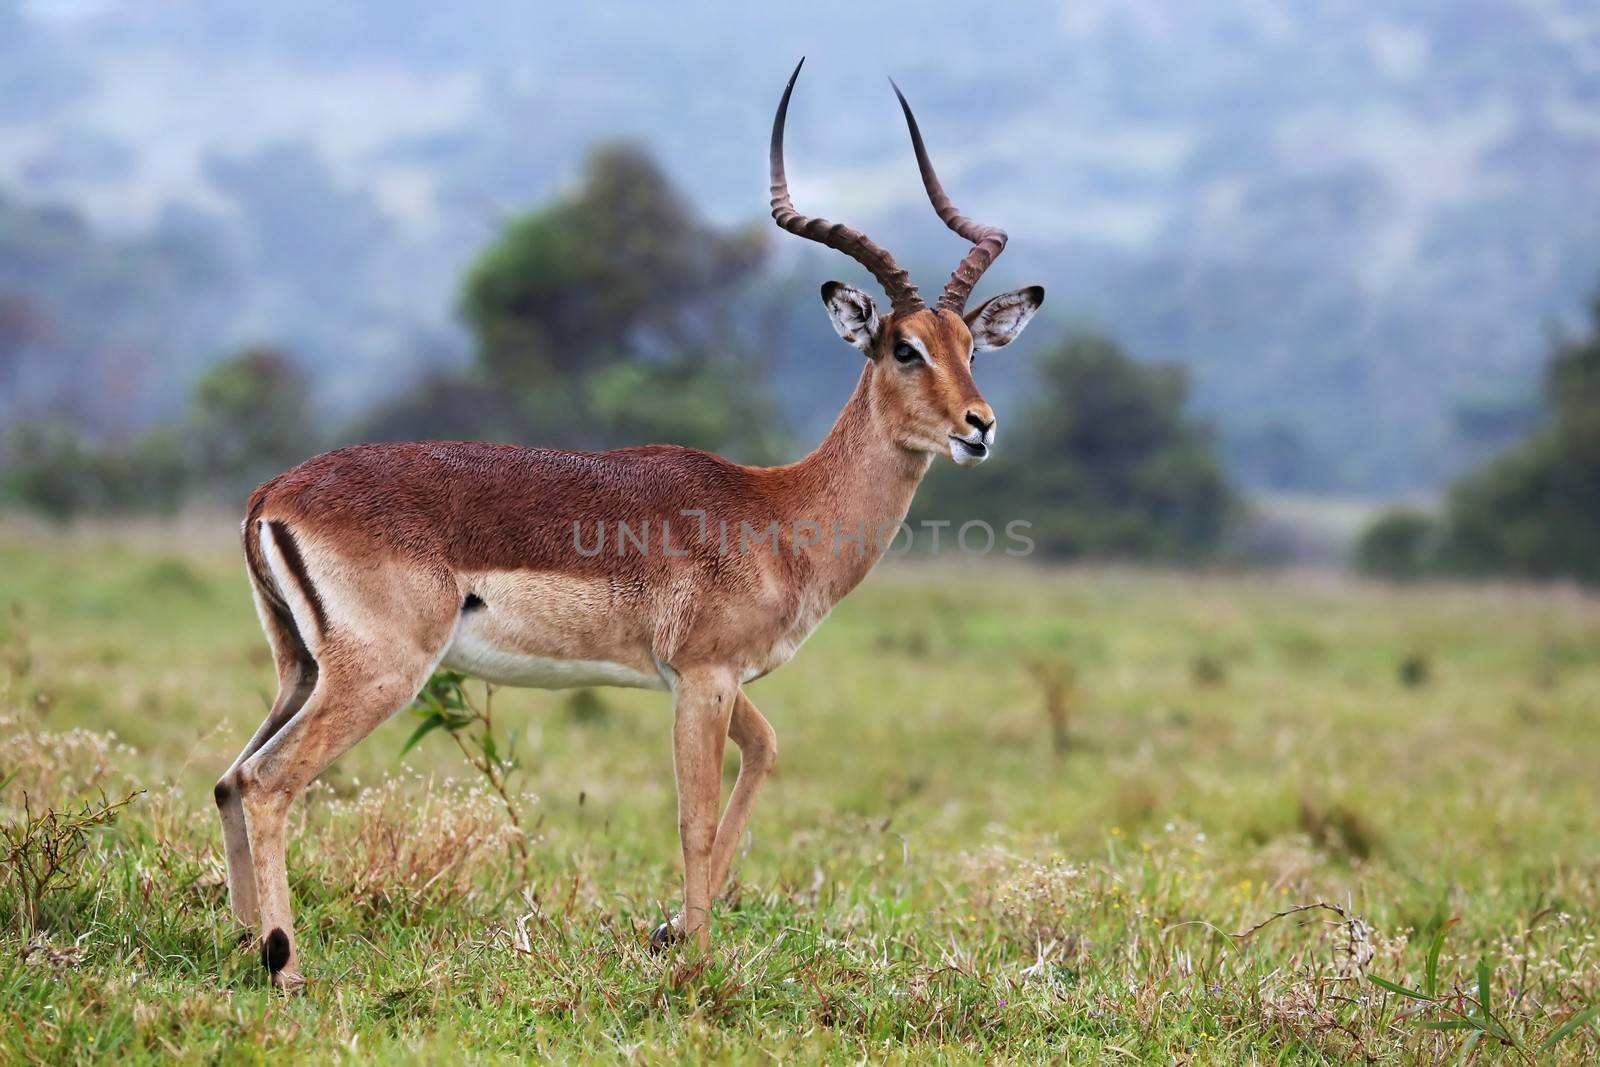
[{"x": 275, "y": 951}]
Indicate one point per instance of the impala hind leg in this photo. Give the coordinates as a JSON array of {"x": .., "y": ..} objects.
[
  {"x": 373, "y": 631},
  {"x": 297, "y": 675},
  {"x": 354, "y": 694}
]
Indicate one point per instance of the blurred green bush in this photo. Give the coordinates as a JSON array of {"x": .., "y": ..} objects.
[
  {"x": 1534, "y": 512},
  {"x": 1104, "y": 462}
]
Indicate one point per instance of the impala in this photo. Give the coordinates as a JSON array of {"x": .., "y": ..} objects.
[{"x": 371, "y": 566}]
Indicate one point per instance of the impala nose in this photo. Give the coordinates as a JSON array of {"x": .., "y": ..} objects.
[{"x": 979, "y": 423}]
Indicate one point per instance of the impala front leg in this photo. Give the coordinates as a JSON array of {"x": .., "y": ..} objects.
[{"x": 705, "y": 702}]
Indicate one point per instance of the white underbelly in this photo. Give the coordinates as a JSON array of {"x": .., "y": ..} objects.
[{"x": 472, "y": 655}]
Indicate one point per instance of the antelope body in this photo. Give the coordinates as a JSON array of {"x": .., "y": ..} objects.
[{"x": 372, "y": 566}]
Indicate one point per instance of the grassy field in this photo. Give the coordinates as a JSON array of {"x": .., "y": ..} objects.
[{"x": 929, "y": 877}]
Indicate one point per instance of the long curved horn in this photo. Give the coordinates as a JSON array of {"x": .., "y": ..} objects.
[
  {"x": 988, "y": 241},
  {"x": 896, "y": 282}
]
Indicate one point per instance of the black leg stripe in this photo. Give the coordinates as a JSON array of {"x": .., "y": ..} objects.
[{"x": 290, "y": 549}]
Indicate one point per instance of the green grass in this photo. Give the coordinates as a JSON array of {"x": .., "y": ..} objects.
[{"x": 928, "y": 879}]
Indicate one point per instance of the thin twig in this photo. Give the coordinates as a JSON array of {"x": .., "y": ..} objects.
[{"x": 1319, "y": 905}]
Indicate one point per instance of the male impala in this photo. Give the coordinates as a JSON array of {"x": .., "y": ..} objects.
[{"x": 373, "y": 565}]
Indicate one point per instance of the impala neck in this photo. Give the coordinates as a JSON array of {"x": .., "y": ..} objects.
[{"x": 858, "y": 478}]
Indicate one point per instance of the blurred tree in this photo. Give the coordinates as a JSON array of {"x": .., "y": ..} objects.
[
  {"x": 1399, "y": 545},
  {"x": 1535, "y": 511},
  {"x": 445, "y": 407},
  {"x": 1103, "y": 463},
  {"x": 620, "y": 262},
  {"x": 249, "y": 419},
  {"x": 608, "y": 316},
  {"x": 1490, "y": 420},
  {"x": 605, "y": 318},
  {"x": 714, "y": 402},
  {"x": 49, "y": 468}
]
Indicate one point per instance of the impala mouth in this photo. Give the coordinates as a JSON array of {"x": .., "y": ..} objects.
[{"x": 968, "y": 452}]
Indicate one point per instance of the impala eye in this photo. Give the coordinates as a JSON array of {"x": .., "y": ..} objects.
[{"x": 904, "y": 353}]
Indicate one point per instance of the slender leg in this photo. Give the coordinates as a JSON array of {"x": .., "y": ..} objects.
[
  {"x": 292, "y": 696},
  {"x": 758, "y": 752},
  {"x": 297, "y": 674},
  {"x": 348, "y": 703},
  {"x": 705, "y": 702}
]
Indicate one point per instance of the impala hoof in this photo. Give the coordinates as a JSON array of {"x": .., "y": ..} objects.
[
  {"x": 287, "y": 981},
  {"x": 664, "y": 937}
]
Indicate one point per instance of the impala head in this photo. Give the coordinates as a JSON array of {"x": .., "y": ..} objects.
[{"x": 921, "y": 357}]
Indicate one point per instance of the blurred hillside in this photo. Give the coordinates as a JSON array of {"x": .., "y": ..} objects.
[
  {"x": 615, "y": 314},
  {"x": 1354, "y": 228}
]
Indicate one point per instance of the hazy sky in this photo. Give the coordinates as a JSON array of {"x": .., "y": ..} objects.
[{"x": 1067, "y": 120}]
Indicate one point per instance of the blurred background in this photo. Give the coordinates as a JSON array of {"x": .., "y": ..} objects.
[
  {"x": 1322, "y": 276},
  {"x": 1324, "y": 300}
]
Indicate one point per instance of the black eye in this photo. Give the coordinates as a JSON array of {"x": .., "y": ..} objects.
[{"x": 904, "y": 353}]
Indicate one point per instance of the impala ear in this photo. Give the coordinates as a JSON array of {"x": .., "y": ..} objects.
[
  {"x": 854, "y": 314},
  {"x": 997, "y": 321}
]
